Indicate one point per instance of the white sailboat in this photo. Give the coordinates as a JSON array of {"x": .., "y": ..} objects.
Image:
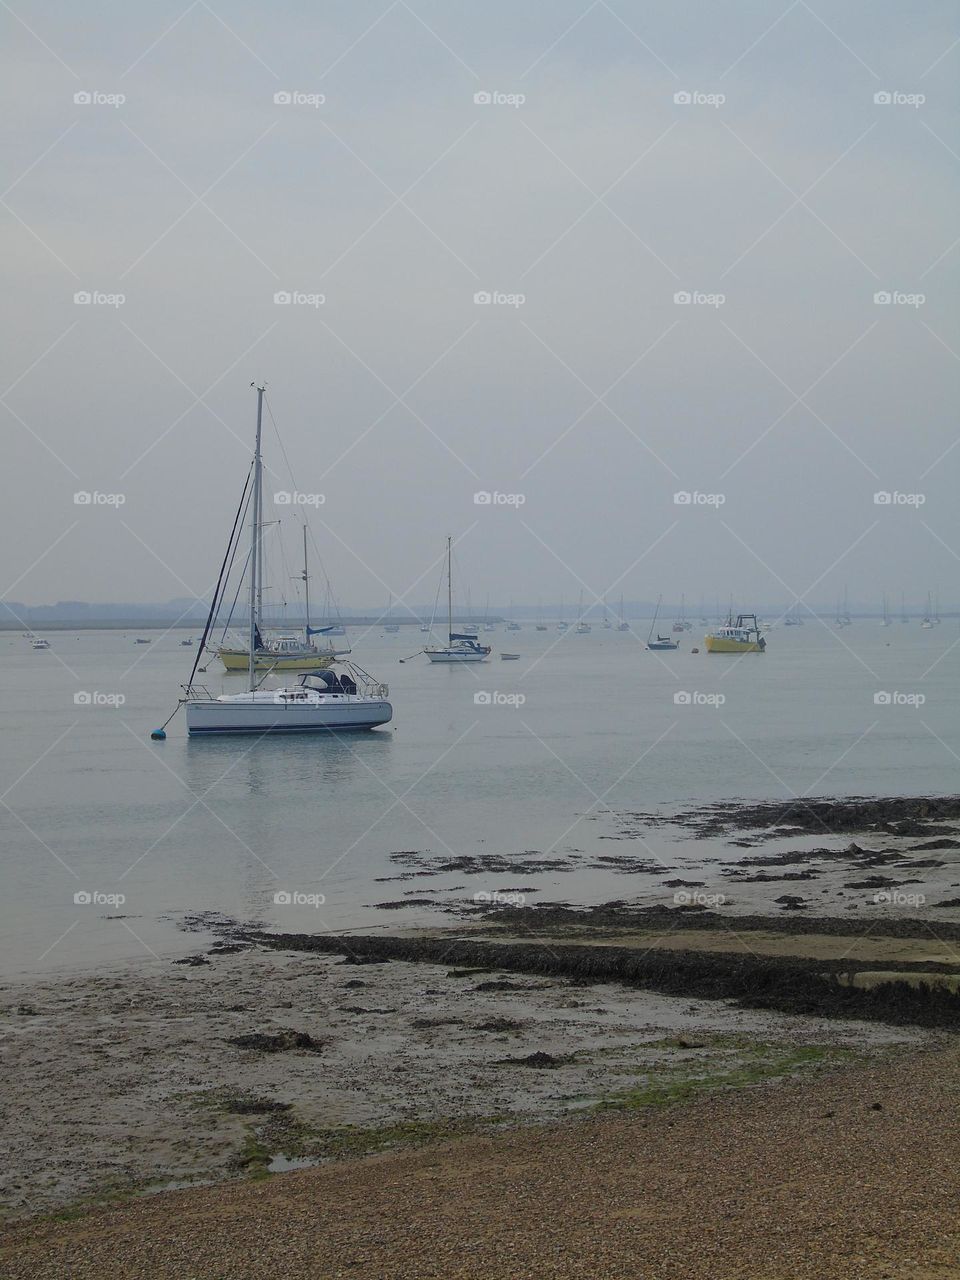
[
  {"x": 461, "y": 646},
  {"x": 622, "y": 625},
  {"x": 321, "y": 701},
  {"x": 582, "y": 628}
]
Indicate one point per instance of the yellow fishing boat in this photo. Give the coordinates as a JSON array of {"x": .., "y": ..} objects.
[{"x": 742, "y": 636}]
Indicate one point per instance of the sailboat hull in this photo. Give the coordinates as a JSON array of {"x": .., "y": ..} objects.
[
  {"x": 239, "y": 660},
  {"x": 452, "y": 656},
  {"x": 727, "y": 644},
  {"x": 336, "y": 714}
]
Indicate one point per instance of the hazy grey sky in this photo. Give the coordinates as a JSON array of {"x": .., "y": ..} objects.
[{"x": 798, "y": 197}]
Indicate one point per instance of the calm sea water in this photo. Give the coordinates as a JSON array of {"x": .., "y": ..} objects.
[{"x": 91, "y": 805}]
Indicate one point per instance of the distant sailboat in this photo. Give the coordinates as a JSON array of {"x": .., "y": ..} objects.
[
  {"x": 622, "y": 625},
  {"x": 582, "y": 627},
  {"x": 661, "y": 642},
  {"x": 884, "y": 616},
  {"x": 461, "y": 646}
]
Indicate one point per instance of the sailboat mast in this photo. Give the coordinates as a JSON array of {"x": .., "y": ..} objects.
[
  {"x": 306, "y": 584},
  {"x": 255, "y": 547},
  {"x": 449, "y": 592}
]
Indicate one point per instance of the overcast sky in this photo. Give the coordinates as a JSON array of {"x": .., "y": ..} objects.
[{"x": 783, "y": 187}]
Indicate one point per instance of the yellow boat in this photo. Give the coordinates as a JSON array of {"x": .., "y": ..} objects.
[
  {"x": 742, "y": 636},
  {"x": 286, "y": 653}
]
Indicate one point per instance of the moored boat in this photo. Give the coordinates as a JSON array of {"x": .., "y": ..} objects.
[
  {"x": 461, "y": 646},
  {"x": 742, "y": 636}
]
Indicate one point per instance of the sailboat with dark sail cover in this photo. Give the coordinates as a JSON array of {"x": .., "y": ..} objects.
[
  {"x": 461, "y": 646},
  {"x": 322, "y": 700}
]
